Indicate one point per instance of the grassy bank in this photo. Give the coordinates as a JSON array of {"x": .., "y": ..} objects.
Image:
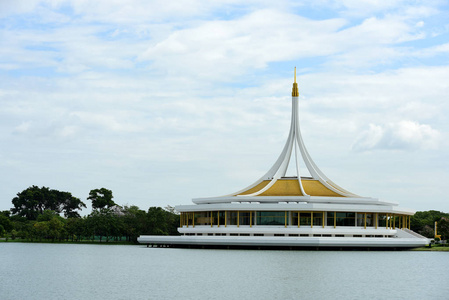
[
  {"x": 84, "y": 242},
  {"x": 433, "y": 248}
]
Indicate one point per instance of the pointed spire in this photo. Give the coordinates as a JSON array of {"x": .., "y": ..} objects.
[
  {"x": 295, "y": 147},
  {"x": 295, "y": 92},
  {"x": 295, "y": 74}
]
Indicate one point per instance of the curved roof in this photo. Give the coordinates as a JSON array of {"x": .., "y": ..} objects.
[
  {"x": 290, "y": 187},
  {"x": 275, "y": 182}
]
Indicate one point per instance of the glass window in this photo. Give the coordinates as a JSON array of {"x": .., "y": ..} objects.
[
  {"x": 318, "y": 218},
  {"x": 360, "y": 219},
  {"x": 382, "y": 220},
  {"x": 397, "y": 220},
  {"x": 221, "y": 216},
  {"x": 214, "y": 217},
  {"x": 345, "y": 219},
  {"x": 270, "y": 218},
  {"x": 232, "y": 218},
  {"x": 245, "y": 218},
  {"x": 202, "y": 218},
  {"x": 189, "y": 219},
  {"x": 295, "y": 218},
  {"x": 305, "y": 218},
  {"x": 330, "y": 218},
  {"x": 369, "y": 220}
]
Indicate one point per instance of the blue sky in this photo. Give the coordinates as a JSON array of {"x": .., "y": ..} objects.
[{"x": 163, "y": 101}]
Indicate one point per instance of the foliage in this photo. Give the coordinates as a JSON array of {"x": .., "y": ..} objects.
[
  {"x": 76, "y": 229},
  {"x": 134, "y": 222},
  {"x": 32, "y": 202},
  {"x": 5, "y": 222},
  {"x": 101, "y": 198},
  {"x": 105, "y": 223},
  {"x": 102, "y": 224},
  {"x": 443, "y": 228},
  {"x": 36, "y": 217},
  {"x": 423, "y": 222},
  {"x": 427, "y": 231}
]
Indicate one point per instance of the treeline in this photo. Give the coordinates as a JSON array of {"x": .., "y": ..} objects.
[
  {"x": 423, "y": 222},
  {"x": 40, "y": 214},
  {"x": 43, "y": 214}
]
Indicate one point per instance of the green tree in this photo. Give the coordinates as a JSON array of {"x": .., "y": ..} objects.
[
  {"x": 5, "y": 221},
  {"x": 427, "y": 231},
  {"x": 134, "y": 220},
  {"x": 41, "y": 229},
  {"x": 161, "y": 221},
  {"x": 156, "y": 221},
  {"x": 56, "y": 228},
  {"x": 69, "y": 204},
  {"x": 422, "y": 218},
  {"x": 106, "y": 223},
  {"x": 47, "y": 215},
  {"x": 76, "y": 228},
  {"x": 30, "y": 203},
  {"x": 101, "y": 198},
  {"x": 22, "y": 228},
  {"x": 49, "y": 226},
  {"x": 443, "y": 228},
  {"x": 172, "y": 220}
]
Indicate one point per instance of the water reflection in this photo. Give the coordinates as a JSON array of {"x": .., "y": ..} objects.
[{"x": 60, "y": 271}]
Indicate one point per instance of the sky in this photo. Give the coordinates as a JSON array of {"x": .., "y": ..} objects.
[{"x": 165, "y": 101}]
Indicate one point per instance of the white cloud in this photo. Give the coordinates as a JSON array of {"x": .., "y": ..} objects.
[
  {"x": 360, "y": 9},
  {"x": 23, "y": 127},
  {"x": 17, "y": 7},
  {"x": 139, "y": 95},
  {"x": 403, "y": 135},
  {"x": 224, "y": 49}
]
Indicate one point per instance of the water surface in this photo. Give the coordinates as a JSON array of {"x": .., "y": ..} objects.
[{"x": 68, "y": 271}]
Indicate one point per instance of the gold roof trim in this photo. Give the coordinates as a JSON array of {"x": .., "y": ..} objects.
[{"x": 290, "y": 187}]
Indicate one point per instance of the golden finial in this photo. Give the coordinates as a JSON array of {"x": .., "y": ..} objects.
[{"x": 295, "y": 92}]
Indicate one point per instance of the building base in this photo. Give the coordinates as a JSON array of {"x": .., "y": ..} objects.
[{"x": 307, "y": 243}]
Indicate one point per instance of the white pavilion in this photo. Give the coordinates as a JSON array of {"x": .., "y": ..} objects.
[{"x": 292, "y": 211}]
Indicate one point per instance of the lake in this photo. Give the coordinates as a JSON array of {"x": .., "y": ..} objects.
[{"x": 71, "y": 271}]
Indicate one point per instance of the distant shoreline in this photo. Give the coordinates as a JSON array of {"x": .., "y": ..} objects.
[
  {"x": 97, "y": 242},
  {"x": 433, "y": 248}
]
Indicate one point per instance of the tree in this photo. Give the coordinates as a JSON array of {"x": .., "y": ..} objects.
[
  {"x": 32, "y": 202},
  {"x": 56, "y": 228},
  {"x": 47, "y": 215},
  {"x": 69, "y": 204},
  {"x": 5, "y": 222},
  {"x": 423, "y": 218},
  {"x": 41, "y": 229},
  {"x": 76, "y": 228},
  {"x": 134, "y": 221},
  {"x": 427, "y": 231},
  {"x": 105, "y": 223},
  {"x": 101, "y": 198},
  {"x": 161, "y": 221},
  {"x": 157, "y": 222},
  {"x": 443, "y": 228},
  {"x": 172, "y": 220}
]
